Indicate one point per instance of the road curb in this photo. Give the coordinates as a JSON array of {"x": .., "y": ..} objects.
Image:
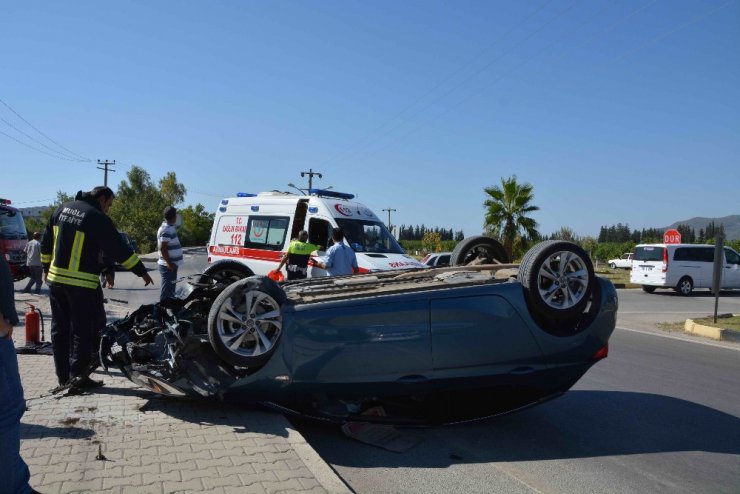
[
  {"x": 220, "y": 438},
  {"x": 719, "y": 334}
]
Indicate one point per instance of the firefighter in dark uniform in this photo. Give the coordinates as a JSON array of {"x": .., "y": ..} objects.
[
  {"x": 297, "y": 256},
  {"x": 75, "y": 235}
]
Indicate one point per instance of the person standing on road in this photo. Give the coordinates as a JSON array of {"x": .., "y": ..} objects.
[
  {"x": 170, "y": 253},
  {"x": 33, "y": 261},
  {"x": 75, "y": 235},
  {"x": 14, "y": 472},
  {"x": 340, "y": 258},
  {"x": 297, "y": 256}
]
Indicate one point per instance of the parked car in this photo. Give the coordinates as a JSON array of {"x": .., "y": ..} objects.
[
  {"x": 624, "y": 262},
  {"x": 682, "y": 267},
  {"x": 429, "y": 345},
  {"x": 436, "y": 259}
]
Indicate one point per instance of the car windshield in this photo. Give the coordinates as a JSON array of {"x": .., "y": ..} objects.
[
  {"x": 11, "y": 224},
  {"x": 369, "y": 236}
]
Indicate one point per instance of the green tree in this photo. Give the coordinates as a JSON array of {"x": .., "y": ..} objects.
[
  {"x": 565, "y": 233},
  {"x": 432, "y": 242},
  {"x": 39, "y": 225},
  {"x": 196, "y": 225},
  {"x": 172, "y": 191},
  {"x": 507, "y": 209},
  {"x": 139, "y": 203}
]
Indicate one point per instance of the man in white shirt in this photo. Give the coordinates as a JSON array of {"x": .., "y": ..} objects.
[
  {"x": 170, "y": 253},
  {"x": 33, "y": 261},
  {"x": 340, "y": 258}
]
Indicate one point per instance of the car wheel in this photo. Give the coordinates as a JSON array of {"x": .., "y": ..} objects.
[
  {"x": 226, "y": 272},
  {"x": 245, "y": 321},
  {"x": 612, "y": 265},
  {"x": 478, "y": 250},
  {"x": 558, "y": 279},
  {"x": 685, "y": 286},
  {"x": 648, "y": 289}
]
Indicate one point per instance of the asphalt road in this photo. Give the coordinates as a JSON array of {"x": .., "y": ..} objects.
[{"x": 661, "y": 413}]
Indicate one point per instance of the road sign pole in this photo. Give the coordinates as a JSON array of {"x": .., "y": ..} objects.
[{"x": 717, "y": 275}]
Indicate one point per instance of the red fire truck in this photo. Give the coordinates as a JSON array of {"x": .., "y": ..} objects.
[{"x": 13, "y": 239}]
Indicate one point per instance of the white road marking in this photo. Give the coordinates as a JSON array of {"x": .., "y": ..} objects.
[{"x": 726, "y": 346}]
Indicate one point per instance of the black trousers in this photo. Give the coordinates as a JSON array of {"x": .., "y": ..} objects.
[
  {"x": 295, "y": 272},
  {"x": 75, "y": 313}
]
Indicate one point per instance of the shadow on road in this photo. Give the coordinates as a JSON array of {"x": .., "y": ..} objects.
[
  {"x": 581, "y": 424},
  {"x": 35, "y": 431},
  {"x": 242, "y": 418}
]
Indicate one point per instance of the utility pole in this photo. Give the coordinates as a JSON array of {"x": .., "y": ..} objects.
[
  {"x": 106, "y": 163},
  {"x": 389, "y": 218},
  {"x": 310, "y": 174}
]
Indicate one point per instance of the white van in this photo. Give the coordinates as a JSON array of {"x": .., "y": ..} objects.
[
  {"x": 251, "y": 232},
  {"x": 682, "y": 267}
]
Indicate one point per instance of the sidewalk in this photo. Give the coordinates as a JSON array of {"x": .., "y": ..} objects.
[{"x": 151, "y": 444}]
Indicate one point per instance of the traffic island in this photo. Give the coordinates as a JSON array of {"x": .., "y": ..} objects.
[{"x": 715, "y": 332}]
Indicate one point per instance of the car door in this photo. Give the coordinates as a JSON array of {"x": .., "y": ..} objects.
[
  {"x": 731, "y": 269},
  {"x": 363, "y": 342},
  {"x": 480, "y": 335}
]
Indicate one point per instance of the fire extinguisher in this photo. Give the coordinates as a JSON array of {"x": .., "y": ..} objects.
[{"x": 33, "y": 318}]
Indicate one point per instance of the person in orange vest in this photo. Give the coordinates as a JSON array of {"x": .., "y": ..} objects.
[{"x": 297, "y": 256}]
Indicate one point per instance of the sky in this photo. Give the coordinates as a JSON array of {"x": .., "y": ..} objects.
[{"x": 616, "y": 111}]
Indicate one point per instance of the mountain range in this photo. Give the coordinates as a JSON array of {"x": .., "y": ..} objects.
[{"x": 731, "y": 223}]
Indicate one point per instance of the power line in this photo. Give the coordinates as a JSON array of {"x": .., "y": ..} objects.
[
  {"x": 672, "y": 31},
  {"x": 439, "y": 84},
  {"x": 36, "y": 140},
  {"x": 35, "y": 148},
  {"x": 389, "y": 209},
  {"x": 611, "y": 27},
  {"x": 81, "y": 158},
  {"x": 479, "y": 71},
  {"x": 105, "y": 164},
  {"x": 598, "y": 35},
  {"x": 37, "y": 200}
]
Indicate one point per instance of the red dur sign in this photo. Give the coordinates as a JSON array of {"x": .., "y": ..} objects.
[{"x": 672, "y": 237}]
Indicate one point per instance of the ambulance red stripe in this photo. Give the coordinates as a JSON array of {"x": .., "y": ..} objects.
[{"x": 243, "y": 252}]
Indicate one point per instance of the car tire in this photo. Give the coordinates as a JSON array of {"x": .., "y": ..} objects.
[
  {"x": 612, "y": 265},
  {"x": 245, "y": 321},
  {"x": 648, "y": 289},
  {"x": 685, "y": 286},
  {"x": 226, "y": 272},
  {"x": 554, "y": 291},
  {"x": 478, "y": 250}
]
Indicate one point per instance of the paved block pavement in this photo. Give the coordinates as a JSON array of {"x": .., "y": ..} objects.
[{"x": 122, "y": 439}]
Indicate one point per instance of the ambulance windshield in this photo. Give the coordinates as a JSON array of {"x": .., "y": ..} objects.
[{"x": 369, "y": 236}]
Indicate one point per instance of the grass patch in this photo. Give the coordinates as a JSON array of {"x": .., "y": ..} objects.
[
  {"x": 723, "y": 322},
  {"x": 614, "y": 275},
  {"x": 672, "y": 326}
]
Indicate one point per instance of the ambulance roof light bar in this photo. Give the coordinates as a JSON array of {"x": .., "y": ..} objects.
[{"x": 330, "y": 193}]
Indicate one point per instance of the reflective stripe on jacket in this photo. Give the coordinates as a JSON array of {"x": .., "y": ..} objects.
[{"x": 75, "y": 235}]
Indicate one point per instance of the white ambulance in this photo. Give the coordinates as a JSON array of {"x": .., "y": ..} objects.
[{"x": 252, "y": 231}]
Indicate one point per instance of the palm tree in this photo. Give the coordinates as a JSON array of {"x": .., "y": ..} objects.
[{"x": 507, "y": 207}]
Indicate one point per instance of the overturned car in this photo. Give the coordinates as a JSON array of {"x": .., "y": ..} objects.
[{"x": 476, "y": 339}]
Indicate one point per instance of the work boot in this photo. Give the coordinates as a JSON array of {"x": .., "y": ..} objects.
[{"x": 87, "y": 383}]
